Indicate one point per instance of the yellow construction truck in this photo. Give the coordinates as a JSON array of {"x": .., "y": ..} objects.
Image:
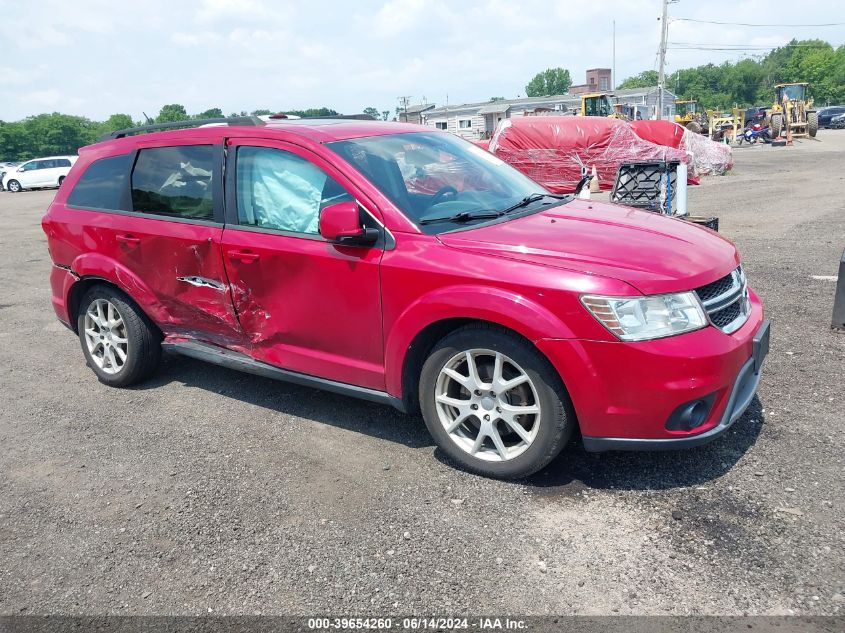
[
  {"x": 599, "y": 104},
  {"x": 793, "y": 112},
  {"x": 688, "y": 115}
]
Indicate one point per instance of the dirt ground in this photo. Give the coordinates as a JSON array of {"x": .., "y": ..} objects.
[{"x": 209, "y": 491}]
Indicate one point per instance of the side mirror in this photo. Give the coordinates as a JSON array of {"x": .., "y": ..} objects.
[{"x": 341, "y": 223}]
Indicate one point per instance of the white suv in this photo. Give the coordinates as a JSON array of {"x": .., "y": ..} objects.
[{"x": 37, "y": 173}]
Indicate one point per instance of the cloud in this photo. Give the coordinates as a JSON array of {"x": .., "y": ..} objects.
[
  {"x": 101, "y": 57},
  {"x": 204, "y": 38},
  {"x": 211, "y": 10}
]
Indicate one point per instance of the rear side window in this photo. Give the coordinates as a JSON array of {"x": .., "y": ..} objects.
[
  {"x": 62, "y": 162},
  {"x": 174, "y": 181},
  {"x": 103, "y": 185}
]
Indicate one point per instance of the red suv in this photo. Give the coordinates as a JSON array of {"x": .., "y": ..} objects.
[{"x": 403, "y": 265}]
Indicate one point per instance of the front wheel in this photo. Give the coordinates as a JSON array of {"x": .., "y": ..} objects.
[
  {"x": 120, "y": 344},
  {"x": 493, "y": 403},
  {"x": 812, "y": 123},
  {"x": 776, "y": 125},
  {"x": 14, "y": 186}
]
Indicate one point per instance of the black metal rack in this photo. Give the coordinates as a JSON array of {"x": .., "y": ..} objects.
[{"x": 638, "y": 184}]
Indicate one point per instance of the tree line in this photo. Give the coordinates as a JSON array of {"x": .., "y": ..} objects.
[
  {"x": 57, "y": 133},
  {"x": 750, "y": 82}
]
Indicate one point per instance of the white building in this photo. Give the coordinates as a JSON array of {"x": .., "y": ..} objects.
[{"x": 479, "y": 120}]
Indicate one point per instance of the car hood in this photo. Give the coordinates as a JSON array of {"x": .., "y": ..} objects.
[{"x": 653, "y": 253}]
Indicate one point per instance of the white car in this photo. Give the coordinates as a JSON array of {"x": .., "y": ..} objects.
[{"x": 38, "y": 173}]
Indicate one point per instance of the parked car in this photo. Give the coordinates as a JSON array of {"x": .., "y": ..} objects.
[
  {"x": 753, "y": 113},
  {"x": 4, "y": 167},
  {"x": 405, "y": 266},
  {"x": 38, "y": 173},
  {"x": 837, "y": 122},
  {"x": 826, "y": 114}
]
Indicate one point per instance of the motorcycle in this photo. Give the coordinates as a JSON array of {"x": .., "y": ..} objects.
[{"x": 755, "y": 131}]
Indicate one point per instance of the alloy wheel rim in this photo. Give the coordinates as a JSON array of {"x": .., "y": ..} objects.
[
  {"x": 14, "y": 186},
  {"x": 105, "y": 336},
  {"x": 488, "y": 405}
]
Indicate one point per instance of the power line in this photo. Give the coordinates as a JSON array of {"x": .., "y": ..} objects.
[
  {"x": 749, "y": 24},
  {"x": 734, "y": 47}
]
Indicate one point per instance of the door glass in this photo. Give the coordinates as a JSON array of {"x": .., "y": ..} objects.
[
  {"x": 282, "y": 191},
  {"x": 174, "y": 181}
]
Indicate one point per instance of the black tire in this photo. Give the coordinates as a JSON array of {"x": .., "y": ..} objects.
[
  {"x": 61, "y": 180},
  {"x": 14, "y": 186},
  {"x": 557, "y": 417},
  {"x": 812, "y": 123},
  {"x": 143, "y": 339},
  {"x": 776, "y": 125}
]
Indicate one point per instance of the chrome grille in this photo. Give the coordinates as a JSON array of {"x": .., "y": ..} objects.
[{"x": 726, "y": 301}]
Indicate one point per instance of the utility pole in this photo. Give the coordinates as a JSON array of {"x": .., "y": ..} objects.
[
  {"x": 661, "y": 75},
  {"x": 613, "y": 72}
]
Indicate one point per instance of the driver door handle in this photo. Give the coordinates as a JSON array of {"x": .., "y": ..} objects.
[
  {"x": 244, "y": 256},
  {"x": 127, "y": 238}
]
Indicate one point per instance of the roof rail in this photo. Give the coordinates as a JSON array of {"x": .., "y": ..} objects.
[
  {"x": 357, "y": 117},
  {"x": 153, "y": 127}
]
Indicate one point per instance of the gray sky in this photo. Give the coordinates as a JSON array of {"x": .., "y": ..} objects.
[{"x": 98, "y": 57}]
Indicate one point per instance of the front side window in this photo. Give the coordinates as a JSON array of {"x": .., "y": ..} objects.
[
  {"x": 281, "y": 191},
  {"x": 31, "y": 166},
  {"x": 174, "y": 181},
  {"x": 431, "y": 175},
  {"x": 103, "y": 185}
]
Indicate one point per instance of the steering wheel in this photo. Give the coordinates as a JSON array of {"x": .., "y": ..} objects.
[{"x": 442, "y": 193}]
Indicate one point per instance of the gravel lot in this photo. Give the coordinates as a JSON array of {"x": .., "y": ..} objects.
[{"x": 207, "y": 490}]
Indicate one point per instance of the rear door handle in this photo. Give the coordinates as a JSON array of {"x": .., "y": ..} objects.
[
  {"x": 128, "y": 238},
  {"x": 244, "y": 256}
]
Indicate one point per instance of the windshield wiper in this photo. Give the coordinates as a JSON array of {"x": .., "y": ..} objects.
[
  {"x": 529, "y": 199},
  {"x": 463, "y": 216},
  {"x": 466, "y": 216}
]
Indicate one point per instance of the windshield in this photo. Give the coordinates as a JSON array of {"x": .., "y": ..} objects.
[
  {"x": 793, "y": 93},
  {"x": 435, "y": 175}
]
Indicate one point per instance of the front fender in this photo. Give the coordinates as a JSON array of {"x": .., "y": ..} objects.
[{"x": 509, "y": 309}]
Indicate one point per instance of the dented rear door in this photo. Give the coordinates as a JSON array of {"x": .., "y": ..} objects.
[{"x": 170, "y": 238}]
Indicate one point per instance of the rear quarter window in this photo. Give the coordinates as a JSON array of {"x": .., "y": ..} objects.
[{"x": 103, "y": 185}]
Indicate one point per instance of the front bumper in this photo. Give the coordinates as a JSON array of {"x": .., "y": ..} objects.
[
  {"x": 741, "y": 395},
  {"x": 624, "y": 393}
]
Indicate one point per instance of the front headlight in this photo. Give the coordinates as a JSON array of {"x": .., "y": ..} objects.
[{"x": 644, "y": 318}]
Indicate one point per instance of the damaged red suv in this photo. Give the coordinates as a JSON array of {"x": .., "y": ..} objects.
[{"x": 403, "y": 265}]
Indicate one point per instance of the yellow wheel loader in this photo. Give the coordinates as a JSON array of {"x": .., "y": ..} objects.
[{"x": 793, "y": 112}]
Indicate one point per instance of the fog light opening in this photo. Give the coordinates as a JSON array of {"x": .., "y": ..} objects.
[{"x": 691, "y": 414}]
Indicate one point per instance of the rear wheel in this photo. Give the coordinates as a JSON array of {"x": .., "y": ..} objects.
[
  {"x": 493, "y": 403},
  {"x": 776, "y": 125},
  {"x": 119, "y": 342},
  {"x": 812, "y": 123},
  {"x": 61, "y": 180},
  {"x": 14, "y": 186}
]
